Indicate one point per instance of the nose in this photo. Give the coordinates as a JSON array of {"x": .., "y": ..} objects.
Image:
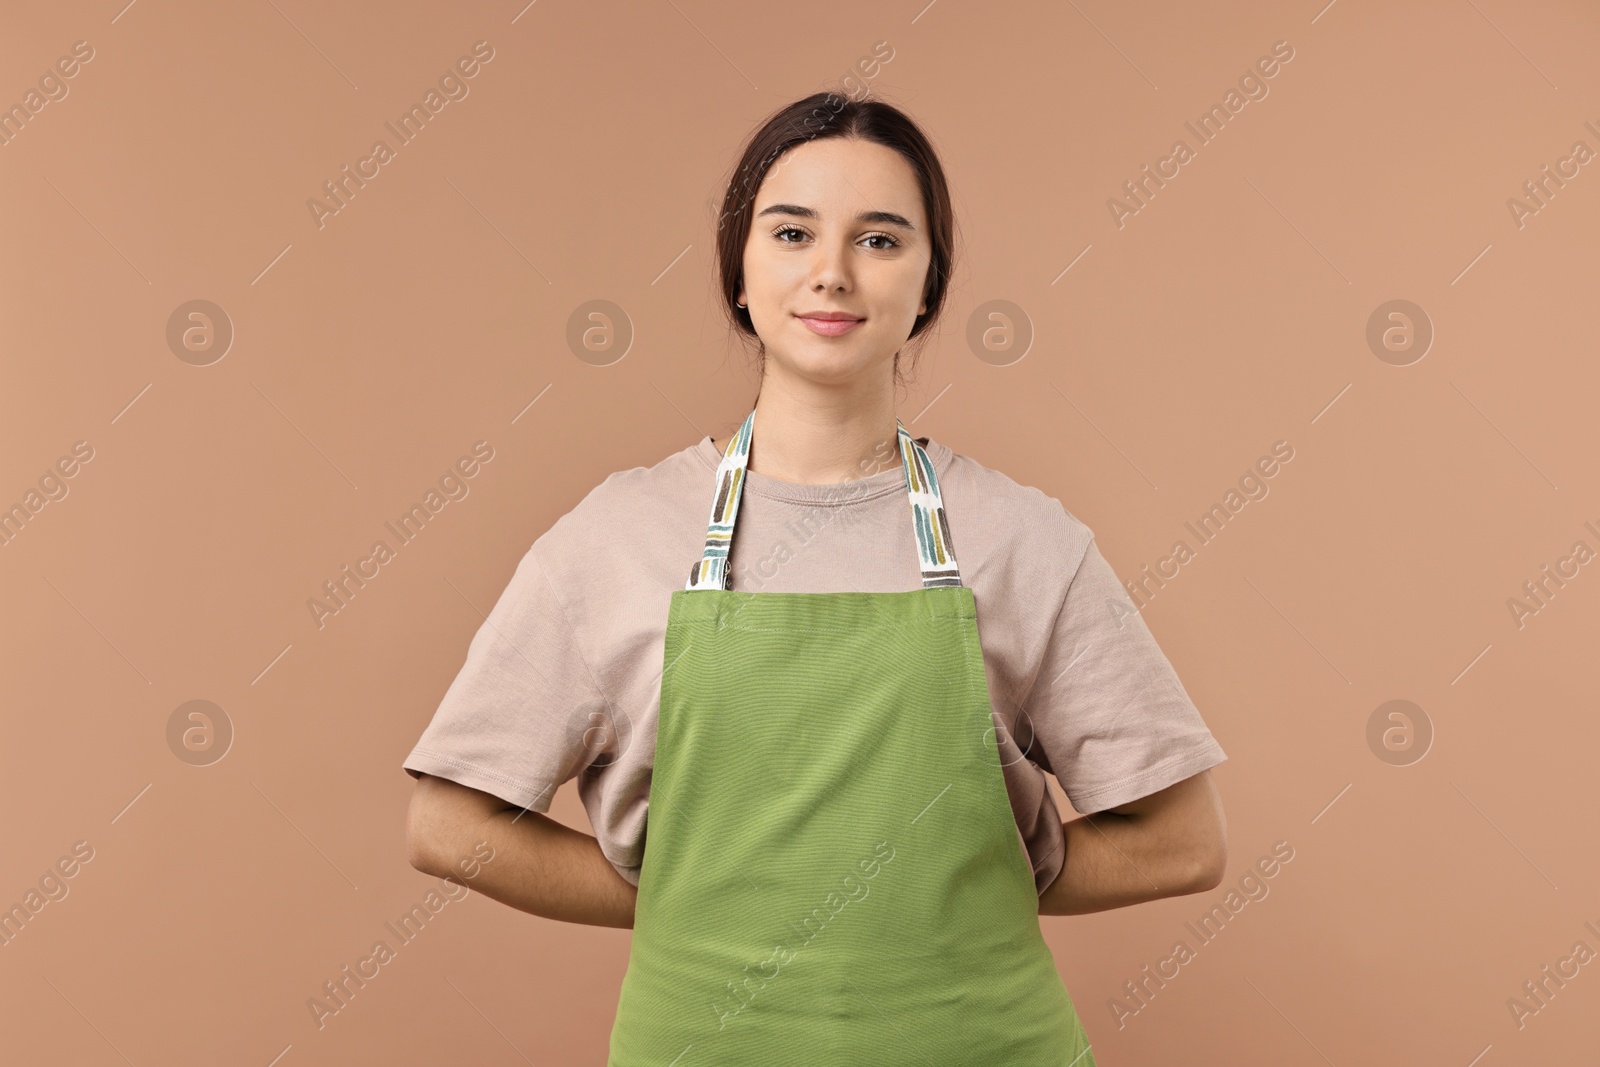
[{"x": 831, "y": 268}]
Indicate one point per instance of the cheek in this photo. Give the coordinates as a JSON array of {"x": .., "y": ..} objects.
[
  {"x": 907, "y": 275},
  {"x": 770, "y": 270},
  {"x": 904, "y": 291}
]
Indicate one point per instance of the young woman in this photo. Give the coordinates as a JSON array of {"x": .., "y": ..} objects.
[{"x": 850, "y": 839}]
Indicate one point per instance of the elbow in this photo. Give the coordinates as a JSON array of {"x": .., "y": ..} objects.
[
  {"x": 1208, "y": 866},
  {"x": 1207, "y": 871},
  {"x": 420, "y": 848},
  {"x": 1209, "y": 858},
  {"x": 424, "y": 829},
  {"x": 442, "y": 820},
  {"x": 419, "y": 853}
]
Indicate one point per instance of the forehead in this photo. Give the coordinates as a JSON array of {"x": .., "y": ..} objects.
[{"x": 842, "y": 177}]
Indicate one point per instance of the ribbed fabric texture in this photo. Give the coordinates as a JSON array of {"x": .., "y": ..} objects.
[{"x": 832, "y": 874}]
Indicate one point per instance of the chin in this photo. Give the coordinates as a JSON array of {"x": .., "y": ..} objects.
[{"x": 841, "y": 369}]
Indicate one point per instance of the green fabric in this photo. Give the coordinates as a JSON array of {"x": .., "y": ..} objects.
[{"x": 832, "y": 871}]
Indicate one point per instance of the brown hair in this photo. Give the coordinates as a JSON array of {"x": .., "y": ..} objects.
[{"x": 812, "y": 118}]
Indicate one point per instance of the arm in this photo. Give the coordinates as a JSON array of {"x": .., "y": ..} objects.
[
  {"x": 540, "y": 866},
  {"x": 1167, "y": 844}
]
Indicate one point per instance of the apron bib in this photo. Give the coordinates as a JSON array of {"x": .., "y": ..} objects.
[{"x": 832, "y": 872}]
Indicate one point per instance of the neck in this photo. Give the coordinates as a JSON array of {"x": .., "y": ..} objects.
[{"x": 822, "y": 438}]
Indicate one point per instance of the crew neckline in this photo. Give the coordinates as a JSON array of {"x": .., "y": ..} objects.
[{"x": 856, "y": 491}]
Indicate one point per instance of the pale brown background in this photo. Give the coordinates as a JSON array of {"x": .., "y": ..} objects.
[{"x": 586, "y": 164}]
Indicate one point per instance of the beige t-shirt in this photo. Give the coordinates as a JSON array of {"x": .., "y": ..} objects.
[{"x": 563, "y": 679}]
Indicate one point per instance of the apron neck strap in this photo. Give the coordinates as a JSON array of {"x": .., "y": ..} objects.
[{"x": 934, "y": 546}]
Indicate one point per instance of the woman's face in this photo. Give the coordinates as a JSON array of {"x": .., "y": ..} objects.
[{"x": 838, "y": 226}]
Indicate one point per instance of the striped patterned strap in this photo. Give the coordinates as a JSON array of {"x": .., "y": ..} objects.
[{"x": 927, "y": 513}]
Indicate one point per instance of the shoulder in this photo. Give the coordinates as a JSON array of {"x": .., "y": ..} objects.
[
  {"x": 1021, "y": 550},
  {"x": 634, "y": 533},
  {"x": 1005, "y": 516},
  {"x": 633, "y": 500}
]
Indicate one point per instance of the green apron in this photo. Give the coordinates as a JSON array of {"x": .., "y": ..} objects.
[{"x": 832, "y": 872}]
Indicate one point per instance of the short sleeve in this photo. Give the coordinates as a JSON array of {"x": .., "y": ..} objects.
[
  {"x": 523, "y": 715},
  {"x": 1109, "y": 711}
]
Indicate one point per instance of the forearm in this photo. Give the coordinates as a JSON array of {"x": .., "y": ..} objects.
[
  {"x": 538, "y": 865},
  {"x": 1115, "y": 860},
  {"x": 554, "y": 871}
]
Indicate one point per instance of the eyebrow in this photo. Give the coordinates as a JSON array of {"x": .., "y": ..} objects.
[{"x": 884, "y": 217}]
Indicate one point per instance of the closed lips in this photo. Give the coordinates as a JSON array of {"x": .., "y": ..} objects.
[{"x": 830, "y": 324}]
